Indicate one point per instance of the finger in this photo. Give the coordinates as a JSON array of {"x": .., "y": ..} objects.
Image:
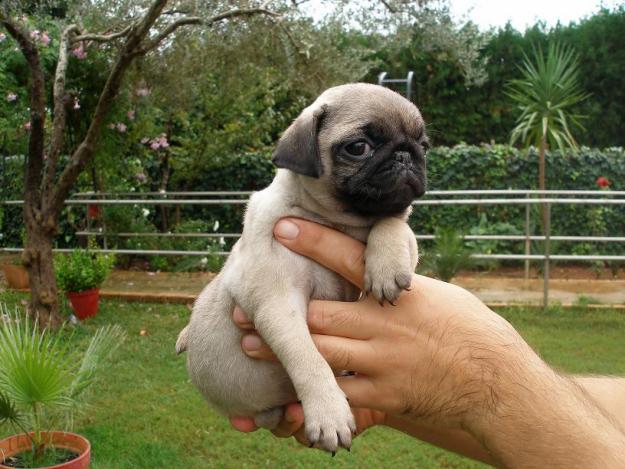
[
  {"x": 293, "y": 420},
  {"x": 328, "y": 247},
  {"x": 241, "y": 319},
  {"x": 346, "y": 319},
  {"x": 347, "y": 354},
  {"x": 243, "y": 424},
  {"x": 361, "y": 392},
  {"x": 254, "y": 347}
]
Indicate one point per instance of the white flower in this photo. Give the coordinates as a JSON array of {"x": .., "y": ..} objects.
[
  {"x": 204, "y": 261},
  {"x": 145, "y": 212},
  {"x": 216, "y": 225},
  {"x": 222, "y": 241}
]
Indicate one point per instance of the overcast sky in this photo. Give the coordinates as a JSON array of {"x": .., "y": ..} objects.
[
  {"x": 488, "y": 13},
  {"x": 494, "y": 13}
]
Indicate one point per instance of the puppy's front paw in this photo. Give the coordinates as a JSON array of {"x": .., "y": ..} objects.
[
  {"x": 386, "y": 276},
  {"x": 329, "y": 422}
]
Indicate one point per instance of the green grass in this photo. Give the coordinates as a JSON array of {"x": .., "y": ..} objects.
[{"x": 145, "y": 413}]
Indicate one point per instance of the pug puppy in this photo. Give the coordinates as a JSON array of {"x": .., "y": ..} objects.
[{"x": 354, "y": 160}]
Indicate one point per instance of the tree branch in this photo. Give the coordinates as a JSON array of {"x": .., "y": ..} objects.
[
  {"x": 58, "y": 124},
  {"x": 237, "y": 12},
  {"x": 166, "y": 32},
  {"x": 137, "y": 33},
  {"x": 132, "y": 47},
  {"x": 103, "y": 37},
  {"x": 388, "y": 6},
  {"x": 32, "y": 196}
]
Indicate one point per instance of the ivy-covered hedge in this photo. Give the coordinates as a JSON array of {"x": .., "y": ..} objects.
[
  {"x": 504, "y": 167},
  {"x": 458, "y": 167},
  {"x": 475, "y": 167}
]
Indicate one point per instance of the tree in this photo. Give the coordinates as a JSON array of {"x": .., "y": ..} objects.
[
  {"x": 49, "y": 178},
  {"x": 545, "y": 93}
]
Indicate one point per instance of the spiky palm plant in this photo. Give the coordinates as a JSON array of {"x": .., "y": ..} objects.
[
  {"x": 448, "y": 256},
  {"x": 42, "y": 377},
  {"x": 547, "y": 90}
]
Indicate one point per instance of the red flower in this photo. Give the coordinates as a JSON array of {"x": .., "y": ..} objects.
[
  {"x": 93, "y": 211},
  {"x": 603, "y": 182}
]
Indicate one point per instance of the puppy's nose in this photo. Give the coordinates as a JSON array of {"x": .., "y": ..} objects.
[{"x": 402, "y": 157}]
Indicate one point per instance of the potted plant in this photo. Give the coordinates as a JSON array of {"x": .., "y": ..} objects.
[
  {"x": 42, "y": 385},
  {"x": 80, "y": 275},
  {"x": 16, "y": 275}
]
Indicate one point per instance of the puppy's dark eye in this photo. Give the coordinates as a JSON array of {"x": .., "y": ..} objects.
[{"x": 357, "y": 148}]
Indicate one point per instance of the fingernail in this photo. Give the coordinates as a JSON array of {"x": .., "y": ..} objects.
[
  {"x": 286, "y": 229},
  {"x": 239, "y": 316},
  {"x": 251, "y": 343}
]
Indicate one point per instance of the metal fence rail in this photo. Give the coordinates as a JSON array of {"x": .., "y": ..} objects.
[{"x": 526, "y": 198}]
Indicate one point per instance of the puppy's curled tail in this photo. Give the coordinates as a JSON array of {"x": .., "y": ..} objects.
[{"x": 181, "y": 343}]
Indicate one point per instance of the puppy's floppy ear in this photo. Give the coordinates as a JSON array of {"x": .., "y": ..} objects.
[{"x": 298, "y": 149}]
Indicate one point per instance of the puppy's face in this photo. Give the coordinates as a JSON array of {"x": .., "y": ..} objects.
[{"x": 366, "y": 142}]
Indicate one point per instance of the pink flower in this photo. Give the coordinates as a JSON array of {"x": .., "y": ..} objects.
[
  {"x": 44, "y": 38},
  {"x": 79, "y": 52},
  {"x": 131, "y": 114},
  {"x": 76, "y": 104},
  {"x": 121, "y": 127},
  {"x": 162, "y": 140},
  {"x": 27, "y": 126},
  {"x": 2, "y": 37},
  {"x": 159, "y": 142},
  {"x": 143, "y": 92},
  {"x": 35, "y": 34},
  {"x": 11, "y": 97},
  {"x": 603, "y": 182}
]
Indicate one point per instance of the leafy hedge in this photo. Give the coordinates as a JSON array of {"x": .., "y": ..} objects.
[
  {"x": 473, "y": 167},
  {"x": 458, "y": 167}
]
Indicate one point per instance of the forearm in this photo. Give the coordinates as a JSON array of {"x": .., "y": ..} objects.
[
  {"x": 537, "y": 417},
  {"x": 458, "y": 441},
  {"x": 608, "y": 393}
]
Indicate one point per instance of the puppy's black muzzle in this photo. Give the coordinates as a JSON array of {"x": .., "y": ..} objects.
[{"x": 387, "y": 186}]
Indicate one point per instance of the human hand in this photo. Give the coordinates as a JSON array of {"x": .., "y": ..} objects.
[
  {"x": 292, "y": 423},
  {"x": 434, "y": 356},
  {"x": 462, "y": 375}
]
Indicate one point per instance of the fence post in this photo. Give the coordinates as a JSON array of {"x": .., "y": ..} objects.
[
  {"x": 547, "y": 254},
  {"x": 527, "y": 238}
]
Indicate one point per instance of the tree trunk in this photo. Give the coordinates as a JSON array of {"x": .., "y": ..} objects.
[
  {"x": 37, "y": 257},
  {"x": 541, "y": 179}
]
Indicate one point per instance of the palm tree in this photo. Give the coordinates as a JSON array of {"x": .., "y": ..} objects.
[{"x": 545, "y": 94}]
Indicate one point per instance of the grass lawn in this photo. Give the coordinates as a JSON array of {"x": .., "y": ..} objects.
[{"x": 145, "y": 412}]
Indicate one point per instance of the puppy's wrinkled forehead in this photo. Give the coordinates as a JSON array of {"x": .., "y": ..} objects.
[{"x": 372, "y": 109}]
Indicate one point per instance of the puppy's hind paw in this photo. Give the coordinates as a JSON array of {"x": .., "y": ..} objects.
[
  {"x": 329, "y": 423},
  {"x": 269, "y": 419}
]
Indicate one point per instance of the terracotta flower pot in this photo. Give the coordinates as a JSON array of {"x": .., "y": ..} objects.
[
  {"x": 85, "y": 303},
  {"x": 16, "y": 275},
  {"x": 17, "y": 444}
]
